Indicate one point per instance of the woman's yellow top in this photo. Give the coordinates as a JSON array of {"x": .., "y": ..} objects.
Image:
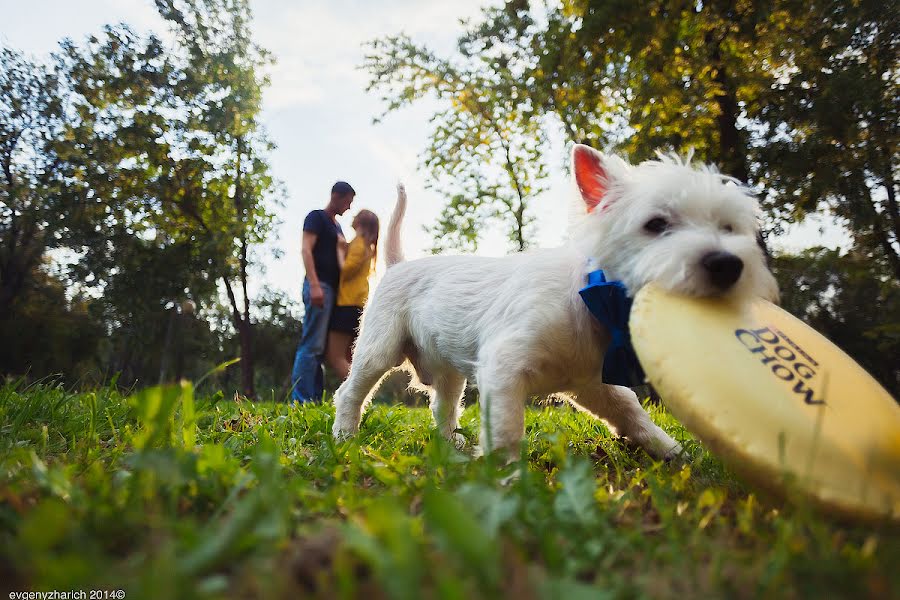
[{"x": 354, "y": 287}]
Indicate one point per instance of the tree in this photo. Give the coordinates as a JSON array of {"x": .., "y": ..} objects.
[
  {"x": 46, "y": 330},
  {"x": 224, "y": 77},
  {"x": 30, "y": 216},
  {"x": 830, "y": 127},
  {"x": 165, "y": 162},
  {"x": 831, "y": 291},
  {"x": 796, "y": 96},
  {"x": 50, "y": 333},
  {"x": 131, "y": 247},
  {"x": 637, "y": 76},
  {"x": 147, "y": 163},
  {"x": 485, "y": 151}
]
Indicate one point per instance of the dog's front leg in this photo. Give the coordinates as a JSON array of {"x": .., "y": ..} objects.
[
  {"x": 619, "y": 407},
  {"x": 502, "y": 393}
]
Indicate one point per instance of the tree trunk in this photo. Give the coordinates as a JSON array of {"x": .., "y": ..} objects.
[
  {"x": 871, "y": 218},
  {"x": 248, "y": 367},
  {"x": 17, "y": 265},
  {"x": 243, "y": 329},
  {"x": 881, "y": 235},
  {"x": 892, "y": 208},
  {"x": 242, "y": 321},
  {"x": 165, "y": 360},
  {"x": 12, "y": 280},
  {"x": 519, "y": 210},
  {"x": 15, "y": 262},
  {"x": 732, "y": 152}
]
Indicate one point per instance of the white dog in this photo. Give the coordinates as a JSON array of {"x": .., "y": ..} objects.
[{"x": 517, "y": 327}]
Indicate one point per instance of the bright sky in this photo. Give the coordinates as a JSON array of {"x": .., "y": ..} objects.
[{"x": 319, "y": 115}]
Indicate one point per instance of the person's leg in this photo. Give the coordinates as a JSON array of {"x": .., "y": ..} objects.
[
  {"x": 306, "y": 375},
  {"x": 352, "y": 343},
  {"x": 336, "y": 351},
  {"x": 330, "y": 299}
]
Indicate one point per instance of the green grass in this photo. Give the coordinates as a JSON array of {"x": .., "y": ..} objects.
[{"x": 162, "y": 494}]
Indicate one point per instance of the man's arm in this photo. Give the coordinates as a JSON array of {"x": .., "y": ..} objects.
[
  {"x": 316, "y": 295},
  {"x": 341, "y": 251}
]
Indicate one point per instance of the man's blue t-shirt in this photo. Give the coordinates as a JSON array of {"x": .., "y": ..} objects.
[{"x": 325, "y": 249}]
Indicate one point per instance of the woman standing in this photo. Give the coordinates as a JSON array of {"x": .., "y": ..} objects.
[{"x": 353, "y": 291}]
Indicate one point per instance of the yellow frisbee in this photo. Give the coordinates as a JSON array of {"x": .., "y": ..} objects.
[{"x": 778, "y": 402}]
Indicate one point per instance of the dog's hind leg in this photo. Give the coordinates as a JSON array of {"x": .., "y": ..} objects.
[
  {"x": 619, "y": 407},
  {"x": 378, "y": 350},
  {"x": 446, "y": 399},
  {"x": 366, "y": 372}
]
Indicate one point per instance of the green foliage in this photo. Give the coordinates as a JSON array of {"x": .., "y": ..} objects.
[
  {"x": 798, "y": 97},
  {"x": 844, "y": 298},
  {"x": 485, "y": 149},
  {"x": 256, "y": 499},
  {"x": 50, "y": 334},
  {"x": 31, "y": 217},
  {"x": 145, "y": 160},
  {"x": 830, "y": 122}
]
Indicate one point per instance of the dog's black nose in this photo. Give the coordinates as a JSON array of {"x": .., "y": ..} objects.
[{"x": 724, "y": 268}]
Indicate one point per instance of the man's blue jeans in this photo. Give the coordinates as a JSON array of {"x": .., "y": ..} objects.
[{"x": 307, "y": 377}]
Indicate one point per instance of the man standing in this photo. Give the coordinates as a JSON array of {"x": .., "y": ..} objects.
[{"x": 321, "y": 237}]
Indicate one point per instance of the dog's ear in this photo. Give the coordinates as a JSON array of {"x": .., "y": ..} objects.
[{"x": 594, "y": 174}]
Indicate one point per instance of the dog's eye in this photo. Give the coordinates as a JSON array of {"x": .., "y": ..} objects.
[
  {"x": 727, "y": 228},
  {"x": 656, "y": 225}
]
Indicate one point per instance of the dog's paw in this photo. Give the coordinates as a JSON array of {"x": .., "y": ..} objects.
[
  {"x": 502, "y": 457},
  {"x": 458, "y": 440},
  {"x": 340, "y": 435},
  {"x": 673, "y": 453},
  {"x": 343, "y": 431}
]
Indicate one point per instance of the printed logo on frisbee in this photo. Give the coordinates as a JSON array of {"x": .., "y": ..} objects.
[{"x": 785, "y": 360}]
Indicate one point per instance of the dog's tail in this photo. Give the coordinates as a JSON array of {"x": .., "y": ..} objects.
[{"x": 393, "y": 246}]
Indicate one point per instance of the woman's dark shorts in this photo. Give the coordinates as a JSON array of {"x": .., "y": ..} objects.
[{"x": 346, "y": 319}]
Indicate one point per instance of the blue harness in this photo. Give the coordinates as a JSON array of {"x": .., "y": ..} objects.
[{"x": 608, "y": 301}]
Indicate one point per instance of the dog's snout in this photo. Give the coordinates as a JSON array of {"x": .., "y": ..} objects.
[{"x": 723, "y": 268}]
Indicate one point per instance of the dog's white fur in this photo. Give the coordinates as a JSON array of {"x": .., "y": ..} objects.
[{"x": 516, "y": 325}]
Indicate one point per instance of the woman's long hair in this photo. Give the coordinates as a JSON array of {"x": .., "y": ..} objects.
[{"x": 368, "y": 228}]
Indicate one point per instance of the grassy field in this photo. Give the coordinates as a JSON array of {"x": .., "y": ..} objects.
[{"x": 163, "y": 494}]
